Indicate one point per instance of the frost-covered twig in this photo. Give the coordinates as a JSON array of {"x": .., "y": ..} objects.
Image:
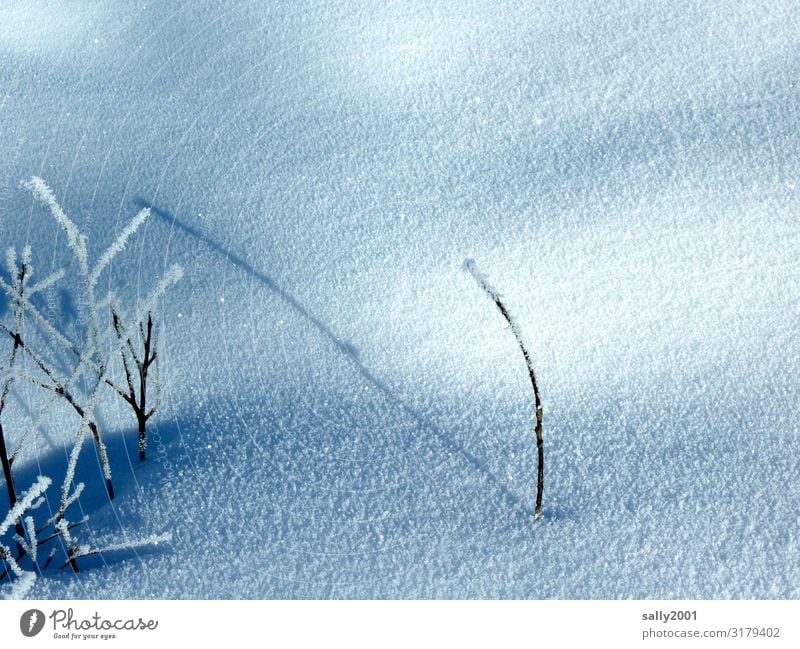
[
  {"x": 136, "y": 341},
  {"x": 154, "y": 540},
  {"x": 73, "y": 548},
  {"x": 68, "y": 495},
  {"x": 28, "y": 501},
  {"x": 469, "y": 266},
  {"x": 78, "y": 244},
  {"x": 8, "y": 476},
  {"x": 75, "y": 239},
  {"x": 149, "y": 305},
  {"x": 118, "y": 245},
  {"x": 39, "y": 319},
  {"x": 97, "y": 361},
  {"x": 25, "y": 502},
  {"x": 19, "y": 280},
  {"x": 30, "y": 544},
  {"x": 59, "y": 387}
]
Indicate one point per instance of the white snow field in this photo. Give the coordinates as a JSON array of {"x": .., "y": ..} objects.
[{"x": 346, "y": 415}]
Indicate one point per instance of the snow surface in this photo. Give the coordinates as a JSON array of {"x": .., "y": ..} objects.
[{"x": 346, "y": 414}]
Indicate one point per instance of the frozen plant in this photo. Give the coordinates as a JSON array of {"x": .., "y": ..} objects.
[
  {"x": 27, "y": 542},
  {"x": 494, "y": 296},
  {"x": 36, "y": 349},
  {"x": 20, "y": 567},
  {"x": 138, "y": 367},
  {"x": 141, "y": 354}
]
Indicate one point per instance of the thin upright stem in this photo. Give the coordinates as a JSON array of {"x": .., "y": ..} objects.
[{"x": 469, "y": 265}]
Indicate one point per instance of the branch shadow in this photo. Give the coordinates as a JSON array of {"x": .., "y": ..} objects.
[{"x": 348, "y": 350}]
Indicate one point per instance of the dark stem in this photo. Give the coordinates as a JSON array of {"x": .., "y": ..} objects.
[
  {"x": 72, "y": 563},
  {"x": 60, "y": 390},
  {"x": 536, "y": 396},
  {"x": 136, "y": 396},
  {"x": 142, "y": 421},
  {"x": 539, "y": 412},
  {"x": 540, "y": 472},
  {"x": 10, "y": 488},
  {"x": 6, "y": 461},
  {"x": 55, "y": 535},
  {"x": 9, "y": 478},
  {"x": 98, "y": 442},
  {"x": 142, "y": 405},
  {"x": 101, "y": 449}
]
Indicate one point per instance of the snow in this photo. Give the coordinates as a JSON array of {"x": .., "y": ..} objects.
[{"x": 344, "y": 413}]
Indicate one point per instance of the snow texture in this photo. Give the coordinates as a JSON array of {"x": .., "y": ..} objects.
[
  {"x": 21, "y": 587},
  {"x": 341, "y": 415}
]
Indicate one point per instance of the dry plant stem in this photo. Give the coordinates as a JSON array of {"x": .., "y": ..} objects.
[
  {"x": 539, "y": 411},
  {"x": 3, "y": 557},
  {"x": 21, "y": 553},
  {"x": 9, "y": 478},
  {"x": 137, "y": 344},
  {"x": 495, "y": 297},
  {"x": 60, "y": 390},
  {"x": 72, "y": 563},
  {"x": 136, "y": 396},
  {"x": 101, "y": 447},
  {"x": 5, "y": 459},
  {"x": 141, "y": 413}
]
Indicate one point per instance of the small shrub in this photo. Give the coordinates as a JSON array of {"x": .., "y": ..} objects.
[{"x": 36, "y": 351}]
